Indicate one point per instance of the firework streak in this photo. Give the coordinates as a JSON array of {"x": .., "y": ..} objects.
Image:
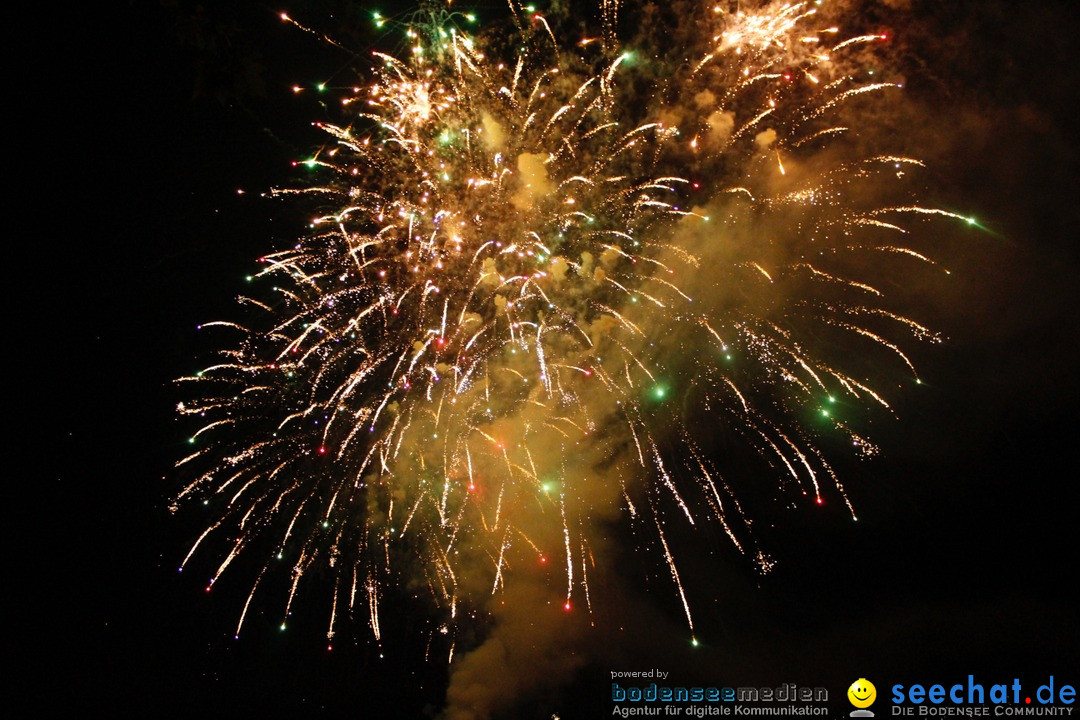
[{"x": 524, "y": 281}]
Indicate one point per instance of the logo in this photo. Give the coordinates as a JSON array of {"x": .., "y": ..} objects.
[
  {"x": 862, "y": 694},
  {"x": 973, "y": 699}
]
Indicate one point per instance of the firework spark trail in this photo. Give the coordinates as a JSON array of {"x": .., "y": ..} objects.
[{"x": 505, "y": 282}]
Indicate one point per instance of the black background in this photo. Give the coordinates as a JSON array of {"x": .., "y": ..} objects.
[{"x": 147, "y": 118}]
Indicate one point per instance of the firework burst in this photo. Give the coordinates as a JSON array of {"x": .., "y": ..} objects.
[{"x": 522, "y": 283}]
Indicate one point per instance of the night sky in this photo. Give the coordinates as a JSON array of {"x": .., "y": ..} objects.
[{"x": 150, "y": 116}]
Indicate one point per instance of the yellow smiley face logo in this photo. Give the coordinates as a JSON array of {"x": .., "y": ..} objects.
[{"x": 862, "y": 693}]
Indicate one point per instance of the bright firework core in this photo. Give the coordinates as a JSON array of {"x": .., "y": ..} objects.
[{"x": 524, "y": 282}]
